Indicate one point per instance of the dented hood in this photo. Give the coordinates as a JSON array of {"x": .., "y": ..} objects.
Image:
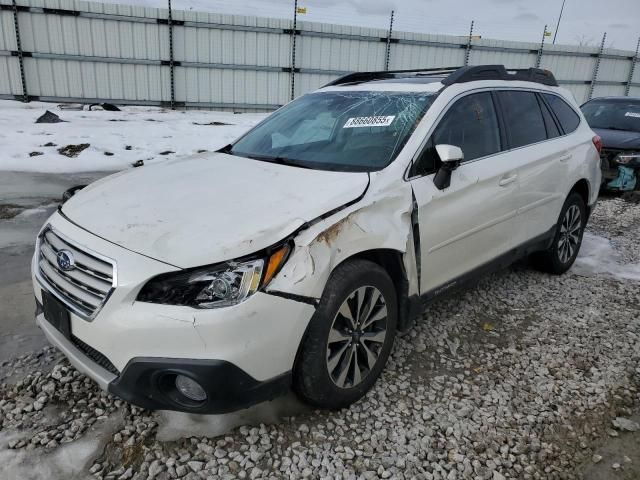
[{"x": 208, "y": 208}]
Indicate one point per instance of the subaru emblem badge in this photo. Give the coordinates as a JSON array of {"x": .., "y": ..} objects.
[{"x": 66, "y": 261}]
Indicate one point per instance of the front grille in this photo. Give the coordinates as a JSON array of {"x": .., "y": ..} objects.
[
  {"x": 95, "y": 355},
  {"x": 83, "y": 288}
]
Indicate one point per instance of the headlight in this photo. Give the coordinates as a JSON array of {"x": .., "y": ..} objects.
[
  {"x": 215, "y": 286},
  {"x": 627, "y": 158}
]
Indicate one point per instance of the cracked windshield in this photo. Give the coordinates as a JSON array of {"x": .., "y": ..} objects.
[{"x": 348, "y": 131}]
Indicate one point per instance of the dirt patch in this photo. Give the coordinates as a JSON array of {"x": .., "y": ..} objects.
[
  {"x": 217, "y": 124},
  {"x": 617, "y": 457},
  {"x": 49, "y": 117},
  {"x": 9, "y": 210},
  {"x": 35, "y": 154},
  {"x": 632, "y": 197},
  {"x": 73, "y": 151}
]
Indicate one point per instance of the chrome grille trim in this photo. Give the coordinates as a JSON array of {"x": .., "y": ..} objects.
[{"x": 85, "y": 289}]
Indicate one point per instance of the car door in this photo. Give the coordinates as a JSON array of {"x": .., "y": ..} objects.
[
  {"x": 471, "y": 222},
  {"x": 541, "y": 157}
]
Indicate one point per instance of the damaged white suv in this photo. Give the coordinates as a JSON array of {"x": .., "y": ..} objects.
[{"x": 292, "y": 258}]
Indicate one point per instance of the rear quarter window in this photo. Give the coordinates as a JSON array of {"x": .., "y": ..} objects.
[{"x": 568, "y": 118}]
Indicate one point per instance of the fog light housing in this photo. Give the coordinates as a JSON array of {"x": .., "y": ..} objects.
[{"x": 190, "y": 388}]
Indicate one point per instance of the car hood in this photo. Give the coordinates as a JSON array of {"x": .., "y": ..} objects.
[
  {"x": 208, "y": 208},
  {"x": 618, "y": 139}
]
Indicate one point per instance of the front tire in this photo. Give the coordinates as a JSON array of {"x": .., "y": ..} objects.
[
  {"x": 349, "y": 338},
  {"x": 567, "y": 240}
]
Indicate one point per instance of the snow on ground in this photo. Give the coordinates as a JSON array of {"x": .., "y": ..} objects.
[
  {"x": 116, "y": 139},
  {"x": 176, "y": 425},
  {"x": 598, "y": 256},
  {"x": 69, "y": 461}
]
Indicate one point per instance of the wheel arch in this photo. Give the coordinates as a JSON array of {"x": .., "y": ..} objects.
[
  {"x": 582, "y": 188},
  {"x": 392, "y": 261}
]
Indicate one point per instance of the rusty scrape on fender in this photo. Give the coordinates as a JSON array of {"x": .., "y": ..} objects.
[
  {"x": 331, "y": 233},
  {"x": 373, "y": 225}
]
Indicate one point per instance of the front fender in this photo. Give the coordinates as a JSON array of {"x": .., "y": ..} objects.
[{"x": 379, "y": 221}]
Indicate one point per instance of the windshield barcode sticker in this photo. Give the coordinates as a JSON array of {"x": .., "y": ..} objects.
[
  {"x": 357, "y": 122},
  {"x": 632, "y": 114}
]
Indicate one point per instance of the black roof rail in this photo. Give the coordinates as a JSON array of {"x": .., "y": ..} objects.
[
  {"x": 453, "y": 75},
  {"x": 360, "y": 77},
  {"x": 499, "y": 72}
]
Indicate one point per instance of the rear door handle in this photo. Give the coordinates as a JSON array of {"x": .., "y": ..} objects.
[
  {"x": 566, "y": 157},
  {"x": 508, "y": 179}
]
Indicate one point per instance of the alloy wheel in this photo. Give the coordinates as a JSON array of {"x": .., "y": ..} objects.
[
  {"x": 569, "y": 234},
  {"x": 356, "y": 337}
]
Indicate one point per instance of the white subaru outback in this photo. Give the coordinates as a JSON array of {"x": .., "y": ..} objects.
[{"x": 293, "y": 257}]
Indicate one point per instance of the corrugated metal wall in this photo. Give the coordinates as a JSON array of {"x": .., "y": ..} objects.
[{"x": 83, "y": 51}]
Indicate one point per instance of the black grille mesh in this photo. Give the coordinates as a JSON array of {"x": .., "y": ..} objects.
[{"x": 95, "y": 355}]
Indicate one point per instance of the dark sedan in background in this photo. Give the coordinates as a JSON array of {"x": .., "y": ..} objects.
[{"x": 617, "y": 121}]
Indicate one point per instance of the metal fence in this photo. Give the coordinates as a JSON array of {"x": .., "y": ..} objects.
[{"x": 78, "y": 51}]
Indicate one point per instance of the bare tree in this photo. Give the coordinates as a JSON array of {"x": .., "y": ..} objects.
[{"x": 584, "y": 40}]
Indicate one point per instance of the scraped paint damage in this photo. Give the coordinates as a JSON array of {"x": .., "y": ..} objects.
[{"x": 368, "y": 225}]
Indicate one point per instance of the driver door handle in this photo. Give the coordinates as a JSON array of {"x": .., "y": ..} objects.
[{"x": 508, "y": 179}]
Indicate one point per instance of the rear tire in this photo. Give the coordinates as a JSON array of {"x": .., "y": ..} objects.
[
  {"x": 567, "y": 239},
  {"x": 349, "y": 338}
]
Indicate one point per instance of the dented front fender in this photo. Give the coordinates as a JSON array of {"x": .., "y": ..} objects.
[{"x": 380, "y": 220}]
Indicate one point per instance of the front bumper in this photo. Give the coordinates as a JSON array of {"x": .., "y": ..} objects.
[
  {"x": 143, "y": 381},
  {"x": 240, "y": 355}
]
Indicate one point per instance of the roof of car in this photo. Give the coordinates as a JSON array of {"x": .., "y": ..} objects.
[{"x": 448, "y": 76}]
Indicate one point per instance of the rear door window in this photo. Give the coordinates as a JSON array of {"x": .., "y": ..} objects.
[
  {"x": 568, "y": 118},
  {"x": 523, "y": 118}
]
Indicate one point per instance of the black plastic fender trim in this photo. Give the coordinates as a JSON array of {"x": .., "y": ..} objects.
[{"x": 296, "y": 298}]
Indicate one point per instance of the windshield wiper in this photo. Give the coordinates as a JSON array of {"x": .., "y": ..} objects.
[
  {"x": 279, "y": 160},
  {"x": 226, "y": 149}
]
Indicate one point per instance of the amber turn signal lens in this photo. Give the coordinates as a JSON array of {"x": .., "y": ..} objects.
[{"x": 275, "y": 261}]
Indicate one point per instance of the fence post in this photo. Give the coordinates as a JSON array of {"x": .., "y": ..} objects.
[
  {"x": 23, "y": 77},
  {"x": 594, "y": 77},
  {"x": 388, "y": 52},
  {"x": 293, "y": 49},
  {"x": 539, "y": 58},
  {"x": 634, "y": 60},
  {"x": 468, "y": 52},
  {"x": 171, "y": 61}
]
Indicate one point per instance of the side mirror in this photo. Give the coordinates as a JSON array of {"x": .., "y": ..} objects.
[
  {"x": 451, "y": 157},
  {"x": 449, "y": 153}
]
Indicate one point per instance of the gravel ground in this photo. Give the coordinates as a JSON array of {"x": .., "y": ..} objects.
[{"x": 525, "y": 376}]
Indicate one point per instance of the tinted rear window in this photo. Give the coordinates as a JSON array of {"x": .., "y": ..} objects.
[
  {"x": 613, "y": 115},
  {"x": 569, "y": 120},
  {"x": 523, "y": 118}
]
